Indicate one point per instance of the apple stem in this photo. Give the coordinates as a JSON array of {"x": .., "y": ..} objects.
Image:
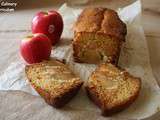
[
  {"x": 29, "y": 36},
  {"x": 45, "y": 12}
]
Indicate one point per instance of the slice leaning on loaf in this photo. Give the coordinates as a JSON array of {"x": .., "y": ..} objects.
[
  {"x": 53, "y": 81},
  {"x": 98, "y": 36},
  {"x": 112, "y": 88}
]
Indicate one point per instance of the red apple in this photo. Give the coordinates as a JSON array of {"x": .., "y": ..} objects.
[
  {"x": 35, "y": 48},
  {"x": 49, "y": 23}
]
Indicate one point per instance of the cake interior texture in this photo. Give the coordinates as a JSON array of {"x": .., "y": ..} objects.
[
  {"x": 53, "y": 76},
  {"x": 54, "y": 81},
  {"x": 96, "y": 48},
  {"x": 112, "y": 89}
]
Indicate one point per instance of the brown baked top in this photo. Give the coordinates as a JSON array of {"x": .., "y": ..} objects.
[{"x": 100, "y": 20}]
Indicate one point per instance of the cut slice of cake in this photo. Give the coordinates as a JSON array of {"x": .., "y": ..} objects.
[
  {"x": 112, "y": 88},
  {"x": 53, "y": 81}
]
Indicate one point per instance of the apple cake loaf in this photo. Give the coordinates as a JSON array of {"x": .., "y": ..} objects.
[
  {"x": 98, "y": 36},
  {"x": 53, "y": 81},
  {"x": 112, "y": 88}
]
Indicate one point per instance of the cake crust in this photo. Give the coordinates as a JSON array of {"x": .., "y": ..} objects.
[{"x": 101, "y": 21}]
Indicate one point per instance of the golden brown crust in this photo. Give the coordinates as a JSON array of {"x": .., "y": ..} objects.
[
  {"x": 89, "y": 20},
  {"x": 102, "y": 21},
  {"x": 98, "y": 33},
  {"x": 112, "y": 100},
  {"x": 54, "y": 93}
]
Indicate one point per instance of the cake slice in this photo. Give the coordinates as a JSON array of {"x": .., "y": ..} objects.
[
  {"x": 53, "y": 81},
  {"x": 98, "y": 36},
  {"x": 112, "y": 88}
]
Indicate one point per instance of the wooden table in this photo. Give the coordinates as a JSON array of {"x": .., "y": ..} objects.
[{"x": 17, "y": 24}]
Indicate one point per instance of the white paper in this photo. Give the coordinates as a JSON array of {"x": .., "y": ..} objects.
[{"x": 134, "y": 57}]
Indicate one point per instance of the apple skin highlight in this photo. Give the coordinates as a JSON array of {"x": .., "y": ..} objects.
[{"x": 35, "y": 48}]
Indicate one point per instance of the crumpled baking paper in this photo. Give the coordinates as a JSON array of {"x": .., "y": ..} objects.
[{"x": 134, "y": 57}]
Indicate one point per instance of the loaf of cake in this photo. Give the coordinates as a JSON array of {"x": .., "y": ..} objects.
[
  {"x": 98, "y": 36},
  {"x": 112, "y": 88},
  {"x": 53, "y": 81}
]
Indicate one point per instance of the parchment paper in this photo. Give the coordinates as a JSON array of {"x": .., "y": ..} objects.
[{"x": 134, "y": 57}]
